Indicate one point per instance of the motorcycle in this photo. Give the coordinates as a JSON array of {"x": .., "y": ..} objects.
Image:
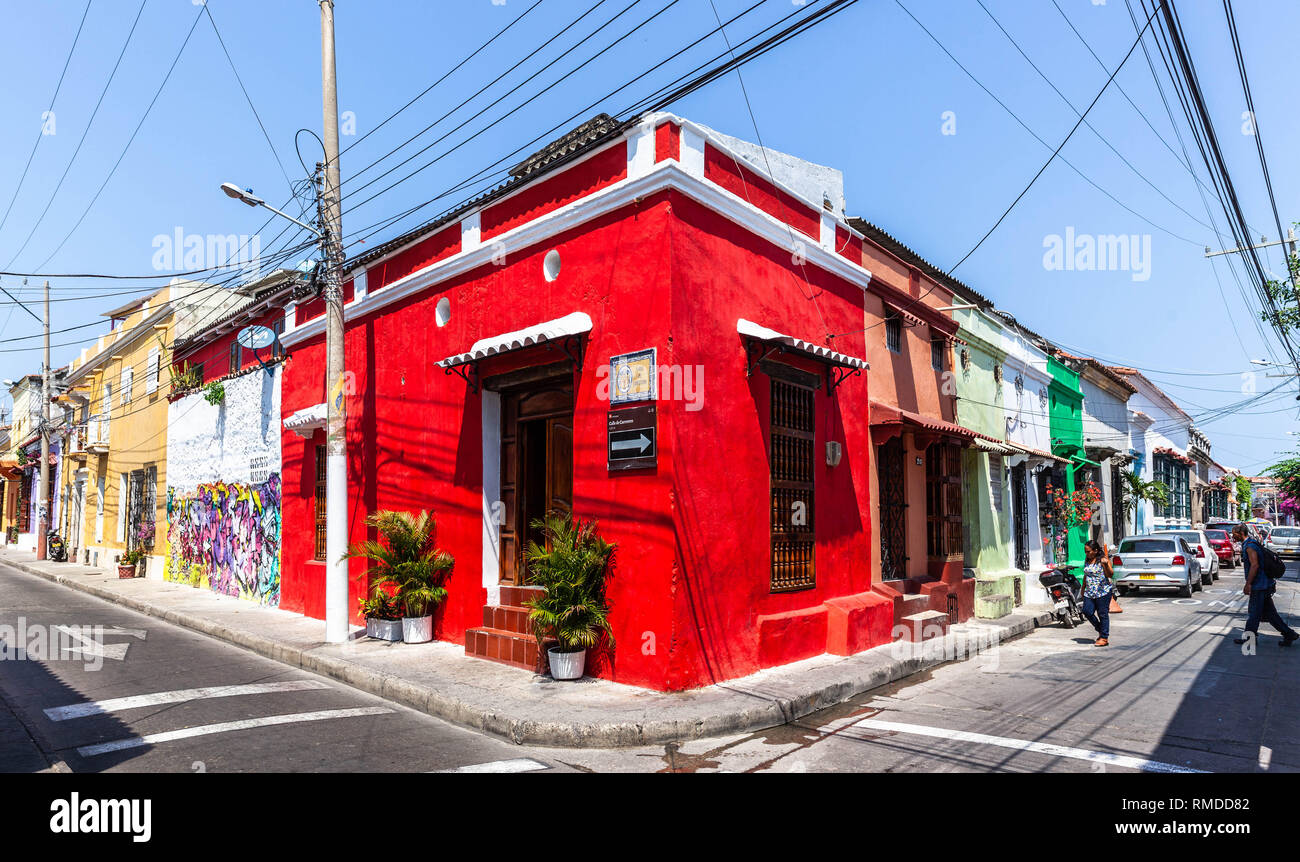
[
  {"x": 57, "y": 548},
  {"x": 1067, "y": 595}
]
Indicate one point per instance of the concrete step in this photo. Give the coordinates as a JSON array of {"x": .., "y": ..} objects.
[
  {"x": 995, "y": 606},
  {"x": 923, "y": 626}
]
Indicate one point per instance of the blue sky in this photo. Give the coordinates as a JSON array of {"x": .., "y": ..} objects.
[{"x": 869, "y": 93}]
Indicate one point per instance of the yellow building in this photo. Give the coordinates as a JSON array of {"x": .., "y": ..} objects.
[{"x": 115, "y": 472}]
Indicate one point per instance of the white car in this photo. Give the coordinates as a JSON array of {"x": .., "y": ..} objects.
[{"x": 1207, "y": 559}]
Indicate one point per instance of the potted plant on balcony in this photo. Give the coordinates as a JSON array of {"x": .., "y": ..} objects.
[
  {"x": 406, "y": 561},
  {"x": 573, "y": 566},
  {"x": 383, "y": 615},
  {"x": 126, "y": 564}
]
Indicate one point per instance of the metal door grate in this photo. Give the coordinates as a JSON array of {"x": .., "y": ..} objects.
[
  {"x": 792, "y": 492},
  {"x": 893, "y": 509},
  {"x": 1020, "y": 495}
]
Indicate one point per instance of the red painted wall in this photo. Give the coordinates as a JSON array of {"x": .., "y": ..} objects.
[
  {"x": 305, "y": 311},
  {"x": 691, "y": 600},
  {"x": 427, "y": 251},
  {"x": 722, "y": 578},
  {"x": 215, "y": 354},
  {"x": 730, "y": 173},
  {"x": 604, "y": 168}
]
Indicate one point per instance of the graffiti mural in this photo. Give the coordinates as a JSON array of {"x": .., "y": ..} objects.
[{"x": 226, "y": 537}]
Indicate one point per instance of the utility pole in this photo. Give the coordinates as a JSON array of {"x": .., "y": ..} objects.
[
  {"x": 43, "y": 507},
  {"x": 336, "y": 458}
]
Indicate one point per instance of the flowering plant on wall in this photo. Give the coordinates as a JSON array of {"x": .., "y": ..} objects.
[
  {"x": 1071, "y": 510},
  {"x": 143, "y": 534}
]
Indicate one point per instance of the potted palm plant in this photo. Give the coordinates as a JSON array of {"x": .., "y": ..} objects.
[
  {"x": 127, "y": 563},
  {"x": 406, "y": 562},
  {"x": 383, "y": 615},
  {"x": 572, "y": 565}
]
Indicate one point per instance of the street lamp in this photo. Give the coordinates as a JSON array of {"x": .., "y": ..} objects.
[
  {"x": 336, "y": 489},
  {"x": 247, "y": 196}
]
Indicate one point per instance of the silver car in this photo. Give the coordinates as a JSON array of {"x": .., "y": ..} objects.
[
  {"x": 1206, "y": 558},
  {"x": 1156, "y": 560},
  {"x": 1285, "y": 541}
]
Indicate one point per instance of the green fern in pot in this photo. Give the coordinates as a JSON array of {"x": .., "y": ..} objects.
[
  {"x": 573, "y": 566},
  {"x": 405, "y": 560}
]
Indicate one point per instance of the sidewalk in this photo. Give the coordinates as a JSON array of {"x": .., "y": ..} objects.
[{"x": 438, "y": 679}]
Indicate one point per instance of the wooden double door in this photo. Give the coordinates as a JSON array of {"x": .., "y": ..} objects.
[{"x": 536, "y": 465}]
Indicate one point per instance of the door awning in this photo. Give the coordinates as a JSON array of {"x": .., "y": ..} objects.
[
  {"x": 995, "y": 448},
  {"x": 305, "y": 422},
  {"x": 884, "y": 415},
  {"x": 1035, "y": 453},
  {"x": 567, "y": 332},
  {"x": 779, "y": 342}
]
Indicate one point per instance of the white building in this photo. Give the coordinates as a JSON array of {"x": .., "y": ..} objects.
[{"x": 1160, "y": 433}]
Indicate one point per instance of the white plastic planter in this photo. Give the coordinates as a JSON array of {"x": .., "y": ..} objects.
[
  {"x": 567, "y": 665},
  {"x": 417, "y": 630},
  {"x": 384, "y": 630}
]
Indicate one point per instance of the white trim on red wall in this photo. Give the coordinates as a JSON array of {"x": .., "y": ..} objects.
[{"x": 665, "y": 175}]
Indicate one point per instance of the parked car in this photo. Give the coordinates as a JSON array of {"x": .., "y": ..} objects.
[
  {"x": 1204, "y": 551},
  {"x": 1285, "y": 541},
  {"x": 1224, "y": 548},
  {"x": 1156, "y": 560}
]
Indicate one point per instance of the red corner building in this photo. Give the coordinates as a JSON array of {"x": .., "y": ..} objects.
[{"x": 641, "y": 329}]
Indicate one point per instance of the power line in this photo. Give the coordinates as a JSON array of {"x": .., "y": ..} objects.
[
  {"x": 444, "y": 77},
  {"x": 1090, "y": 126},
  {"x": 1055, "y": 152},
  {"x": 130, "y": 141},
  {"x": 247, "y": 98},
  {"x": 53, "y": 98},
  {"x": 84, "y": 133}
]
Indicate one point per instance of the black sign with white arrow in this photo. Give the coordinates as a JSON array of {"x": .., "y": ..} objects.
[{"x": 632, "y": 438}]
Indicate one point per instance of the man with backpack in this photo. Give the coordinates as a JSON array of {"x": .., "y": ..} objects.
[{"x": 1263, "y": 569}]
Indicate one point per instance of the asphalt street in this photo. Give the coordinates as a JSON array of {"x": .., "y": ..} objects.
[
  {"x": 1171, "y": 694},
  {"x": 257, "y": 716}
]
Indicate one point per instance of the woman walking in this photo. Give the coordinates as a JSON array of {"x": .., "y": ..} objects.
[{"x": 1097, "y": 588}]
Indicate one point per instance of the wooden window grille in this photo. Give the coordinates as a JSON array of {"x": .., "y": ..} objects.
[
  {"x": 995, "y": 481},
  {"x": 943, "y": 501},
  {"x": 793, "y": 464},
  {"x": 320, "y": 502},
  {"x": 893, "y": 331}
]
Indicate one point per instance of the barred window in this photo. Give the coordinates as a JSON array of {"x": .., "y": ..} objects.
[
  {"x": 793, "y": 465},
  {"x": 893, "y": 330},
  {"x": 937, "y": 351},
  {"x": 943, "y": 499},
  {"x": 320, "y": 502},
  {"x": 236, "y": 356}
]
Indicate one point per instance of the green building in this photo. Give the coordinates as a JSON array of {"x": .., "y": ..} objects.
[{"x": 1065, "y": 417}]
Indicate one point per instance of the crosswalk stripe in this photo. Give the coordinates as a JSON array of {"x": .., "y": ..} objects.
[
  {"x": 1047, "y": 748},
  {"x": 159, "y": 698},
  {"x": 225, "y": 727},
  {"x": 518, "y": 764}
]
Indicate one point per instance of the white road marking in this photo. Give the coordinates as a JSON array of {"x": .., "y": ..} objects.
[
  {"x": 1026, "y": 745},
  {"x": 158, "y": 698},
  {"x": 138, "y": 634},
  {"x": 89, "y": 646},
  {"x": 1265, "y": 756},
  {"x": 518, "y": 764},
  {"x": 226, "y": 726}
]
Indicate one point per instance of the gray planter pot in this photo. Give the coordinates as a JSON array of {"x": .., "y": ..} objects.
[{"x": 384, "y": 630}]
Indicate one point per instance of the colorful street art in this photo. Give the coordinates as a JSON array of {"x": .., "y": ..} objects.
[{"x": 226, "y": 537}]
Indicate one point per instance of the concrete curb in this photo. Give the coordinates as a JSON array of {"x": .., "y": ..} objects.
[{"x": 819, "y": 688}]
